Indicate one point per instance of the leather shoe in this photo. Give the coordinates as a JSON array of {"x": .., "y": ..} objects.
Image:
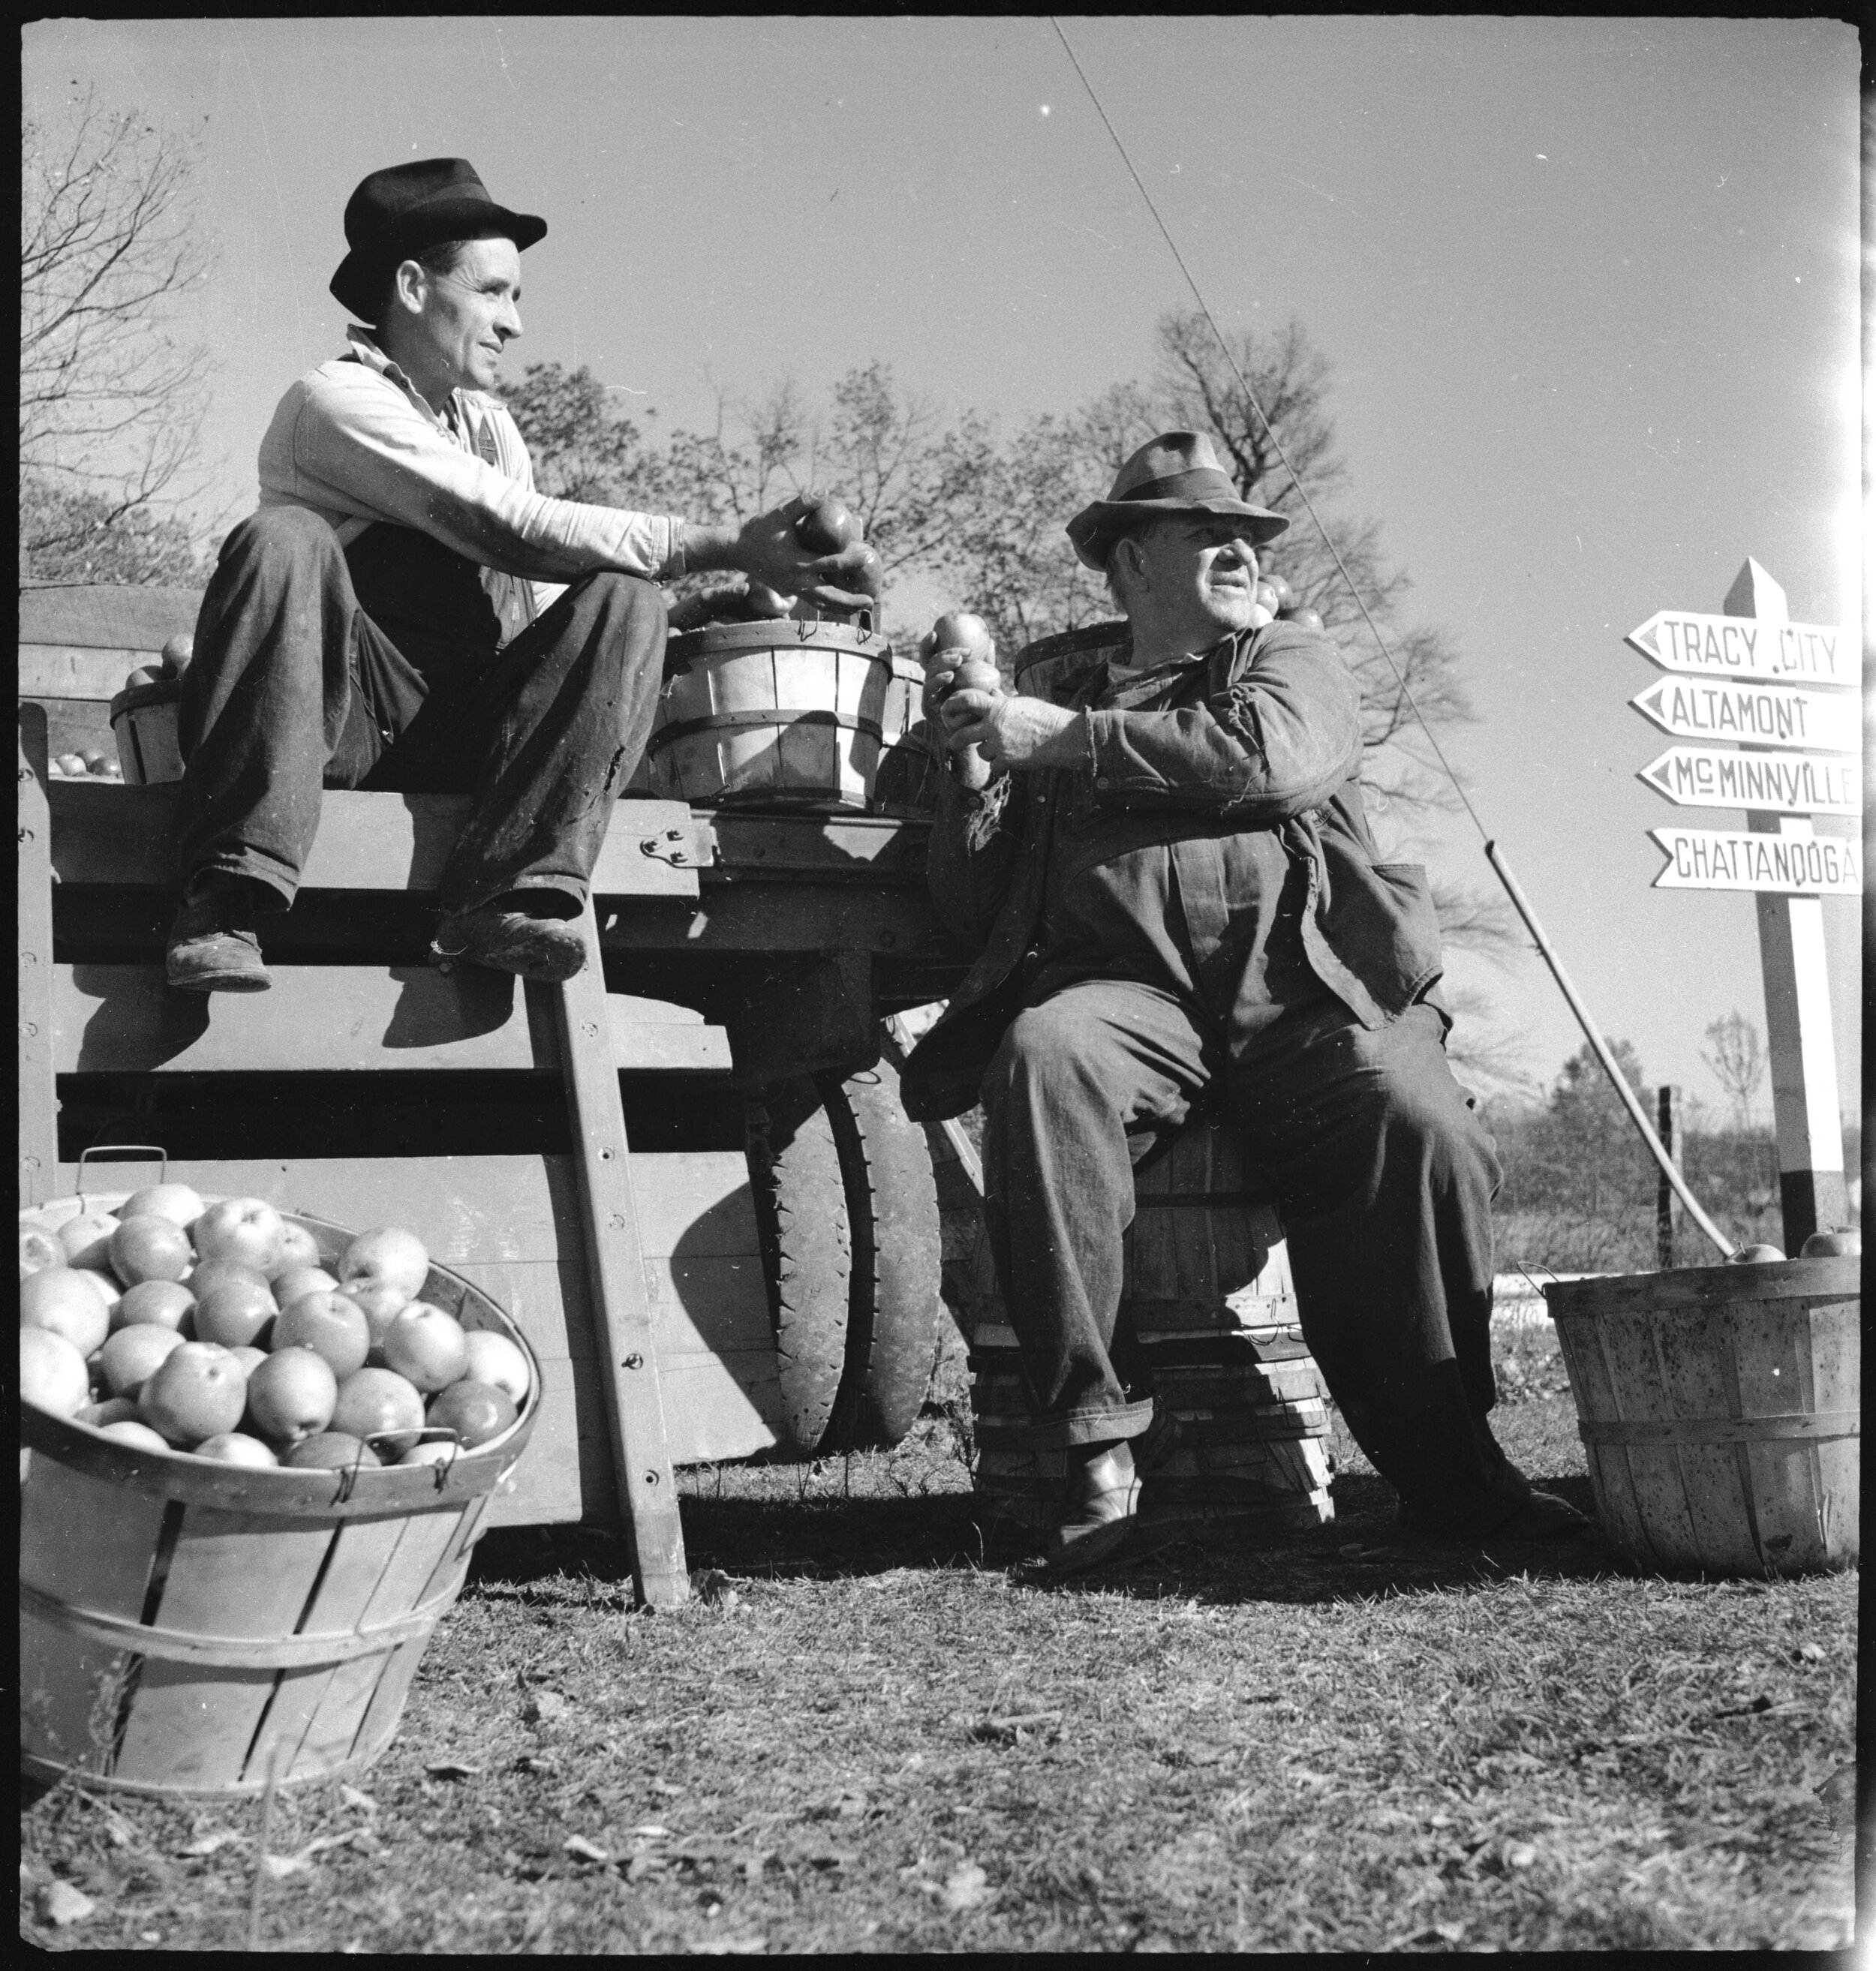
[
  {"x": 212, "y": 946},
  {"x": 549, "y": 950},
  {"x": 1100, "y": 1499}
]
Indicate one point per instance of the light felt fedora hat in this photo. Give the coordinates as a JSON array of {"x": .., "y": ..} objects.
[
  {"x": 396, "y": 213},
  {"x": 1178, "y": 472}
]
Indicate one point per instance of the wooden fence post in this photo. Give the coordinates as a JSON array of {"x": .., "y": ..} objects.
[
  {"x": 37, "y": 1090},
  {"x": 1666, "y": 1101},
  {"x": 1799, "y": 1038}
]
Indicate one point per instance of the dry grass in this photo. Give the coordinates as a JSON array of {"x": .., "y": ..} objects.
[{"x": 882, "y": 1734}]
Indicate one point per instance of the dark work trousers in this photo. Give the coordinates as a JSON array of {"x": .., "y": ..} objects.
[
  {"x": 1382, "y": 1175},
  {"x": 294, "y": 687}
]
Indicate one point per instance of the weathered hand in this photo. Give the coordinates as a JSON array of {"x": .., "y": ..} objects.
[
  {"x": 766, "y": 550},
  {"x": 1017, "y": 733}
]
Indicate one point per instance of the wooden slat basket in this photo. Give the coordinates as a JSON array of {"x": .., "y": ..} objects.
[
  {"x": 144, "y": 722},
  {"x": 187, "y": 1627},
  {"x": 1720, "y": 1408},
  {"x": 794, "y": 713}
]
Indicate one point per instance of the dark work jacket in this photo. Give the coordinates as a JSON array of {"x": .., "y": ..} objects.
[{"x": 1273, "y": 742}]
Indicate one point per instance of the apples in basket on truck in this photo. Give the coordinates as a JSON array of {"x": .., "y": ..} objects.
[{"x": 174, "y": 1325}]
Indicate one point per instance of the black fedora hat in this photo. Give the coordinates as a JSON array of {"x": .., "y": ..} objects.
[
  {"x": 401, "y": 210},
  {"x": 1178, "y": 472}
]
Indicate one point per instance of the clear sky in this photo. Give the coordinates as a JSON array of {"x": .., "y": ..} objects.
[{"x": 1589, "y": 287}]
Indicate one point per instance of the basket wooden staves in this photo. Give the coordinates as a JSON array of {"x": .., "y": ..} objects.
[
  {"x": 1720, "y": 1409},
  {"x": 186, "y": 1625}
]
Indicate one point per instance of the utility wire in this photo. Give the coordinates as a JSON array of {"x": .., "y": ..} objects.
[{"x": 1277, "y": 444}]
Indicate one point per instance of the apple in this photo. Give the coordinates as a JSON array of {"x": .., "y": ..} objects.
[
  {"x": 492, "y": 1358},
  {"x": 197, "y": 1391},
  {"x": 427, "y": 1346},
  {"x": 63, "y": 1301},
  {"x": 331, "y": 1450},
  {"x": 380, "y": 1303},
  {"x": 374, "y": 1402},
  {"x": 867, "y": 578},
  {"x": 156, "y": 1303},
  {"x": 53, "y": 1376},
  {"x": 86, "y": 1238},
  {"x": 1308, "y": 619},
  {"x": 826, "y": 527},
  {"x": 298, "y": 1282},
  {"x": 150, "y": 1247},
  {"x": 234, "y": 1307},
  {"x": 135, "y": 680},
  {"x": 1265, "y": 596},
  {"x": 439, "y": 1451},
  {"x": 978, "y": 674},
  {"x": 959, "y": 629},
  {"x": 38, "y": 1249},
  {"x": 387, "y": 1253},
  {"x": 246, "y": 1229},
  {"x": 298, "y": 1248},
  {"x": 1835, "y": 1242},
  {"x": 131, "y": 1356},
  {"x": 330, "y": 1326},
  {"x": 234, "y": 1447},
  {"x": 113, "y": 1409},
  {"x": 290, "y": 1396},
  {"x": 1283, "y": 591},
  {"x": 249, "y": 1357},
  {"x": 138, "y": 1436},
  {"x": 476, "y": 1412},
  {"x": 101, "y": 1284},
  {"x": 1754, "y": 1256},
  {"x": 176, "y": 654},
  {"x": 180, "y": 1202}
]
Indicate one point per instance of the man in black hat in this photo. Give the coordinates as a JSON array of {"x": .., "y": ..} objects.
[
  {"x": 1175, "y": 895},
  {"x": 406, "y": 612}
]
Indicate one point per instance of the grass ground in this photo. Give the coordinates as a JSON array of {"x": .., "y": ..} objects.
[{"x": 875, "y": 1731}]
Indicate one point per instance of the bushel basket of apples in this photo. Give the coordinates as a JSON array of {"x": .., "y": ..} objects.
[{"x": 252, "y": 1442}]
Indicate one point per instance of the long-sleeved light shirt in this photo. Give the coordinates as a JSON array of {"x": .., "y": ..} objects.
[{"x": 356, "y": 442}]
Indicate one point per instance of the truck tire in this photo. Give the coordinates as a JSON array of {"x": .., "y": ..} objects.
[
  {"x": 800, "y": 1195},
  {"x": 895, "y": 1305}
]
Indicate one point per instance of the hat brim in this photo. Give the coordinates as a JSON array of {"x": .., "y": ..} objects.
[
  {"x": 355, "y": 284},
  {"x": 1092, "y": 526}
]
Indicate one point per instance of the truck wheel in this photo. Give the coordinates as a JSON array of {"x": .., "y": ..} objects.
[
  {"x": 800, "y": 1196},
  {"x": 894, "y": 1308}
]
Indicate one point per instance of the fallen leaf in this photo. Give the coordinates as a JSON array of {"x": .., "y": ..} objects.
[
  {"x": 966, "y": 1888},
  {"x": 116, "y": 1832},
  {"x": 1520, "y": 1855},
  {"x": 578, "y": 1844},
  {"x": 711, "y": 1586},
  {"x": 366, "y": 1843},
  {"x": 211, "y": 1843},
  {"x": 60, "y": 1904},
  {"x": 533, "y": 1762},
  {"x": 665, "y": 1787},
  {"x": 449, "y": 1769},
  {"x": 546, "y": 1707},
  {"x": 277, "y": 1868},
  {"x": 352, "y": 1797},
  {"x": 650, "y": 1832}
]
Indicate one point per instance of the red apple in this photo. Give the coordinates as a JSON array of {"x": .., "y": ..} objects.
[
  {"x": 234, "y": 1447},
  {"x": 962, "y": 631},
  {"x": 176, "y": 654},
  {"x": 38, "y": 1249},
  {"x": 492, "y": 1358},
  {"x": 180, "y": 1202},
  {"x": 978, "y": 674},
  {"x": 298, "y": 1282},
  {"x": 249, "y": 1357},
  {"x": 476, "y": 1412},
  {"x": 159, "y": 1303},
  {"x": 826, "y": 527},
  {"x": 330, "y": 1326},
  {"x": 331, "y": 1450},
  {"x": 1310, "y": 619},
  {"x": 150, "y": 1247},
  {"x": 427, "y": 1346},
  {"x": 131, "y": 1356},
  {"x": 197, "y": 1391},
  {"x": 135, "y": 680},
  {"x": 246, "y": 1229},
  {"x": 1759, "y": 1255},
  {"x": 86, "y": 1238},
  {"x": 1836, "y": 1242},
  {"x": 380, "y": 1303},
  {"x": 290, "y": 1395},
  {"x": 52, "y": 1372},
  {"x": 375, "y": 1403},
  {"x": 235, "y": 1307},
  {"x": 1265, "y": 596},
  {"x": 298, "y": 1248},
  {"x": 1282, "y": 590},
  {"x": 62, "y": 1300},
  {"x": 138, "y": 1436},
  {"x": 387, "y": 1253}
]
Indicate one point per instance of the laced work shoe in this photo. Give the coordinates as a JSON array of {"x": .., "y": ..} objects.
[
  {"x": 212, "y": 946},
  {"x": 549, "y": 951}
]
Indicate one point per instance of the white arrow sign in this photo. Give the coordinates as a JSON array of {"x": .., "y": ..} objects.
[
  {"x": 1810, "y": 865},
  {"x": 1766, "y": 713},
  {"x": 1681, "y": 639},
  {"x": 1777, "y": 783}
]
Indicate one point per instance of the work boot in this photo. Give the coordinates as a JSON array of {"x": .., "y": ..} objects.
[
  {"x": 212, "y": 946},
  {"x": 549, "y": 950},
  {"x": 1099, "y": 1502}
]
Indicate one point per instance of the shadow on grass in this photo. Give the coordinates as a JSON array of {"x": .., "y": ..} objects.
[{"x": 1216, "y": 1562}]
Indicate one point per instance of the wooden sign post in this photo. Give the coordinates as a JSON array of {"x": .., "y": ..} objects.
[
  {"x": 1797, "y": 1001},
  {"x": 1743, "y": 677}
]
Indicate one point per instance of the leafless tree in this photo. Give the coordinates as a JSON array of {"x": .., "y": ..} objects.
[
  {"x": 1737, "y": 1062},
  {"x": 111, "y": 399}
]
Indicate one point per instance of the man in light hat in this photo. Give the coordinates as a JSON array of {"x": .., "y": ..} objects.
[
  {"x": 405, "y": 611},
  {"x": 1173, "y": 888}
]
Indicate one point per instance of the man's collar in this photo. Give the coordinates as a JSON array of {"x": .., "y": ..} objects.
[{"x": 364, "y": 349}]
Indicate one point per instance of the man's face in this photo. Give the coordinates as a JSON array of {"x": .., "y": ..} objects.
[
  {"x": 470, "y": 314},
  {"x": 1195, "y": 567}
]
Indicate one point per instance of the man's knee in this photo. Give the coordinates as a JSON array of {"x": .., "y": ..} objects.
[
  {"x": 624, "y": 600},
  {"x": 287, "y": 540},
  {"x": 1044, "y": 1047}
]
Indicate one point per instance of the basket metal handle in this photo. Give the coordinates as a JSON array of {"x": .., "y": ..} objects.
[
  {"x": 126, "y": 1150},
  {"x": 429, "y": 1430}
]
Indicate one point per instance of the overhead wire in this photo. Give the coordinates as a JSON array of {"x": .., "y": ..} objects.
[{"x": 1546, "y": 950}]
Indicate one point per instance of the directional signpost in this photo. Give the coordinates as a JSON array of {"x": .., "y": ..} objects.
[{"x": 1745, "y": 676}]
